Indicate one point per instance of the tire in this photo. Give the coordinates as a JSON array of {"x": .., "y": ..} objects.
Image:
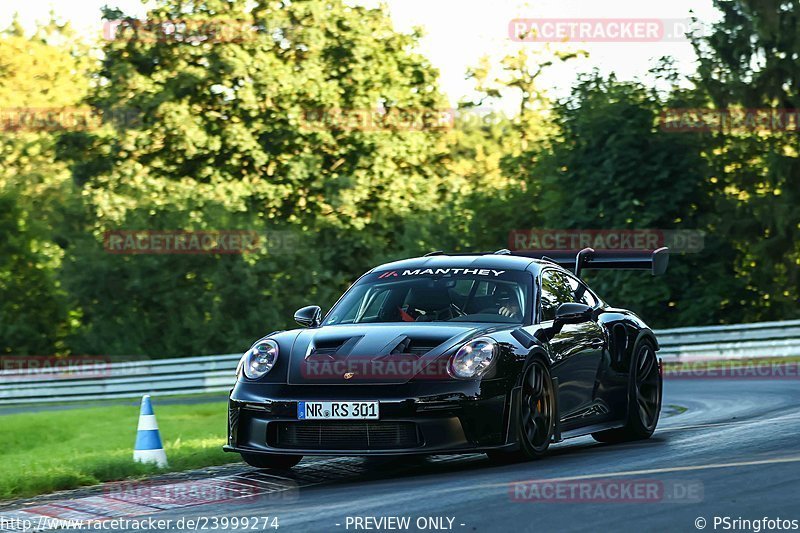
[
  {"x": 644, "y": 398},
  {"x": 536, "y": 416},
  {"x": 278, "y": 462}
]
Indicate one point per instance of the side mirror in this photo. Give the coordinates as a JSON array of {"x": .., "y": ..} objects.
[
  {"x": 573, "y": 313},
  {"x": 309, "y": 317}
]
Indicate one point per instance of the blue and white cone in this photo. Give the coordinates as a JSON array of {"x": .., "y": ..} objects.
[{"x": 148, "y": 447}]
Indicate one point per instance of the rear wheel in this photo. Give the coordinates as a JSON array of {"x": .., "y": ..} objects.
[
  {"x": 536, "y": 415},
  {"x": 279, "y": 462},
  {"x": 644, "y": 398}
]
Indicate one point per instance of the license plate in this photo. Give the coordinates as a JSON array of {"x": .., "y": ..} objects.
[{"x": 337, "y": 410}]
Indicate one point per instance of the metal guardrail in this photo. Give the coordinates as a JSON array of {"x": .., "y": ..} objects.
[
  {"x": 191, "y": 375},
  {"x": 763, "y": 339},
  {"x": 188, "y": 375}
]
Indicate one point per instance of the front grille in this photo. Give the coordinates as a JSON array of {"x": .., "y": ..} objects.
[{"x": 355, "y": 435}]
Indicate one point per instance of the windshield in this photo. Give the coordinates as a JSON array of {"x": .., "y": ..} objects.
[{"x": 436, "y": 295}]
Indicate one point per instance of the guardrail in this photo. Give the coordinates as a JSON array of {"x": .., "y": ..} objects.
[
  {"x": 191, "y": 375},
  {"x": 763, "y": 339},
  {"x": 188, "y": 375}
]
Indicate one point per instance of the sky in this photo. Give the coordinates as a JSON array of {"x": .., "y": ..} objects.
[{"x": 459, "y": 32}]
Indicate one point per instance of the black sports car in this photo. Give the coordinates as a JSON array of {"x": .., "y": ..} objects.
[{"x": 501, "y": 353}]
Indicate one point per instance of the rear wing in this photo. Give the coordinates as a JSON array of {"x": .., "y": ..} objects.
[{"x": 655, "y": 261}]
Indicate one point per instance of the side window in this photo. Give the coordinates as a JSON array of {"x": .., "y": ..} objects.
[
  {"x": 581, "y": 294},
  {"x": 556, "y": 290},
  {"x": 588, "y": 299}
]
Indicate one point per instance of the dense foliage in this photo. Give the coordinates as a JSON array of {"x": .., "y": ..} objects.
[{"x": 208, "y": 130}]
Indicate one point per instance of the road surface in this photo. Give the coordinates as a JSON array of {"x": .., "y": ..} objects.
[{"x": 723, "y": 448}]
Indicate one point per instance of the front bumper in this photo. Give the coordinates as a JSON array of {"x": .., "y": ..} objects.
[{"x": 415, "y": 418}]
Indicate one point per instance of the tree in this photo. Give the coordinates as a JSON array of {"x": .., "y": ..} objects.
[
  {"x": 244, "y": 131},
  {"x": 33, "y": 313},
  {"x": 749, "y": 60},
  {"x": 39, "y": 75},
  {"x": 613, "y": 167},
  {"x": 493, "y": 158}
]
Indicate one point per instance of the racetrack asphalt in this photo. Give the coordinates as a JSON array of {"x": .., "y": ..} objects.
[{"x": 723, "y": 448}]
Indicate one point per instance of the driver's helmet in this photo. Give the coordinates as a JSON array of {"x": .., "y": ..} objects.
[
  {"x": 428, "y": 298},
  {"x": 505, "y": 296}
]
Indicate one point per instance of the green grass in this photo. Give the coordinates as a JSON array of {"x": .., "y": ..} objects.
[
  {"x": 204, "y": 396},
  {"x": 56, "y": 450}
]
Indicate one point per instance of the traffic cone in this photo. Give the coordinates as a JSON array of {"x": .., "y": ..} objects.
[{"x": 148, "y": 448}]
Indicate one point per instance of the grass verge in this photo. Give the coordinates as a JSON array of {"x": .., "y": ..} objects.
[{"x": 56, "y": 450}]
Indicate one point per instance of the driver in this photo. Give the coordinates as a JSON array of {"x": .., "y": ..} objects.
[
  {"x": 427, "y": 304},
  {"x": 507, "y": 302}
]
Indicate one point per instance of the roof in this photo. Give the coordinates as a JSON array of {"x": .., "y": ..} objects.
[{"x": 494, "y": 261}]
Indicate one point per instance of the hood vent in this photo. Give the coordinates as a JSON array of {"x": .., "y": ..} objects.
[
  {"x": 418, "y": 346},
  {"x": 331, "y": 348}
]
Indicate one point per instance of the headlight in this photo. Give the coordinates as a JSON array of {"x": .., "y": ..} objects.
[
  {"x": 473, "y": 358},
  {"x": 259, "y": 359}
]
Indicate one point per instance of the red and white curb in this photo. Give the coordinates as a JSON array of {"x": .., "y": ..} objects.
[{"x": 132, "y": 499}]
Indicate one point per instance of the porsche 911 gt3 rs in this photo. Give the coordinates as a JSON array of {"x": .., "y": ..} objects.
[{"x": 502, "y": 353}]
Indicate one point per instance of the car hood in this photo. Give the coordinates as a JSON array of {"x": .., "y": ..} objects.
[{"x": 379, "y": 353}]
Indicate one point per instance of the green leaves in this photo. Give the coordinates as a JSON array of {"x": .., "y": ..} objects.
[
  {"x": 288, "y": 116},
  {"x": 223, "y": 141},
  {"x": 750, "y": 60}
]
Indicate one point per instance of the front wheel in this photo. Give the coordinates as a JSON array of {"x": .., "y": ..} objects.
[
  {"x": 278, "y": 462},
  {"x": 644, "y": 398},
  {"x": 535, "y": 415}
]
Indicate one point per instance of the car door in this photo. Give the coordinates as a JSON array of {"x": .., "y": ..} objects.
[{"x": 577, "y": 350}]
